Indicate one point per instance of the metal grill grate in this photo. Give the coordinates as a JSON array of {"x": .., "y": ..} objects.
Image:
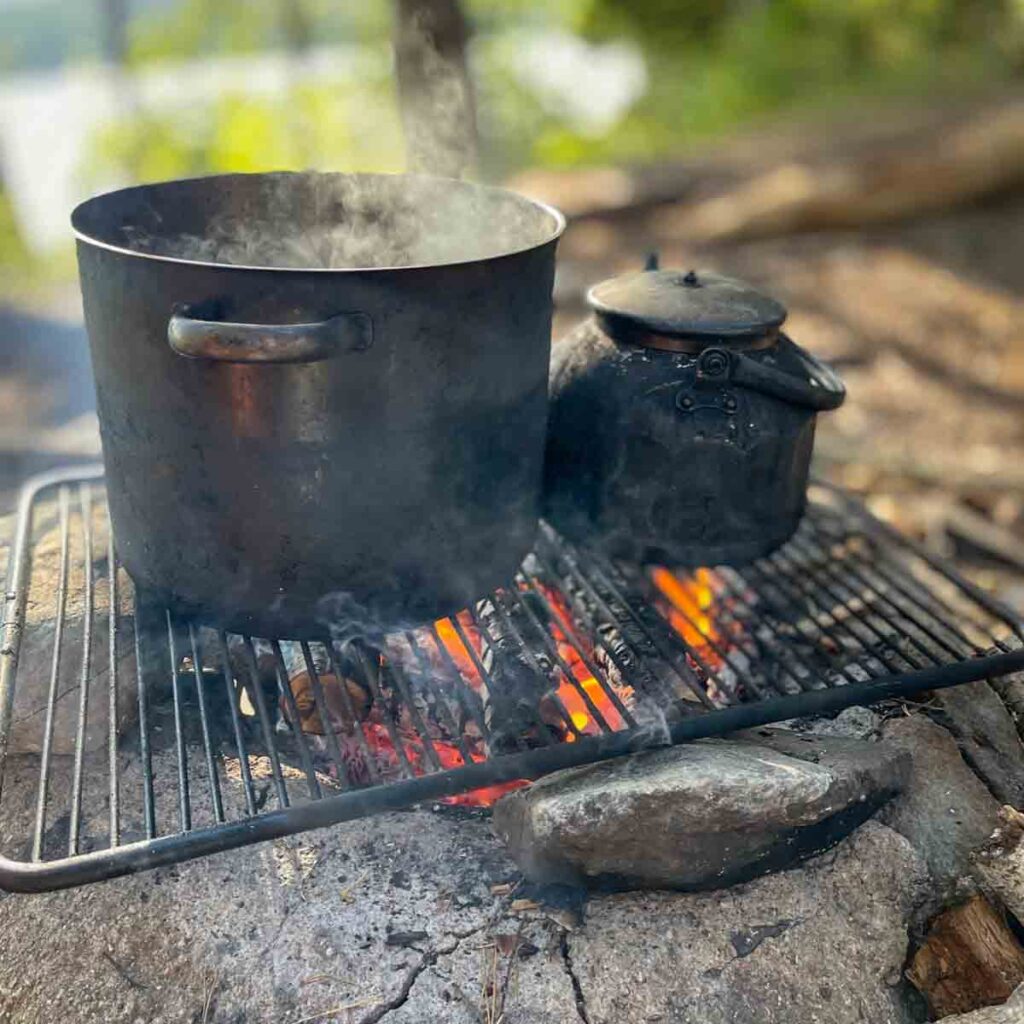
[{"x": 129, "y": 739}]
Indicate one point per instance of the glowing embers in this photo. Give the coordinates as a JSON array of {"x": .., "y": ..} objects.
[{"x": 523, "y": 669}]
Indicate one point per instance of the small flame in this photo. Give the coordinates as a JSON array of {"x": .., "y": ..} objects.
[{"x": 689, "y": 610}]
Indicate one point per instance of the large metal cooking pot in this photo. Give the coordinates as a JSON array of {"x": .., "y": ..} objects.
[{"x": 297, "y": 448}]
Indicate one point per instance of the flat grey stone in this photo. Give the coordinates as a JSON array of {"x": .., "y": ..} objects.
[
  {"x": 822, "y": 944},
  {"x": 944, "y": 810},
  {"x": 855, "y": 723},
  {"x": 1011, "y": 1012},
  {"x": 700, "y": 815},
  {"x": 987, "y": 736}
]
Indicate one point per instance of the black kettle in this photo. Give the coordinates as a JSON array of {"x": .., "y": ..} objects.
[{"x": 682, "y": 421}]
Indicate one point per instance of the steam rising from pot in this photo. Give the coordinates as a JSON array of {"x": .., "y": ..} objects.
[{"x": 345, "y": 221}]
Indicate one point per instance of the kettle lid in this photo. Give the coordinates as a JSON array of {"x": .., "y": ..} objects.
[{"x": 654, "y": 306}]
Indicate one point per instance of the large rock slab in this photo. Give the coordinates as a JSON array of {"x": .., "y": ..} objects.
[
  {"x": 701, "y": 815},
  {"x": 944, "y": 810},
  {"x": 823, "y": 944},
  {"x": 417, "y": 916}
]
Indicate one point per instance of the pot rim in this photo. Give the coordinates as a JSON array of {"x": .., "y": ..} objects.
[{"x": 556, "y": 216}]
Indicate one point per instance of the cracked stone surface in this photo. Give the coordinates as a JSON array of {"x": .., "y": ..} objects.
[
  {"x": 395, "y": 919},
  {"x": 824, "y": 943},
  {"x": 987, "y": 737},
  {"x": 944, "y": 810},
  {"x": 702, "y": 815}
]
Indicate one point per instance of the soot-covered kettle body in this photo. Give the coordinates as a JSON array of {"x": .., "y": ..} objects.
[{"x": 682, "y": 421}]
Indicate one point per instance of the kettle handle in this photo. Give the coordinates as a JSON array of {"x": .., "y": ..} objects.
[
  {"x": 225, "y": 342},
  {"x": 821, "y": 389}
]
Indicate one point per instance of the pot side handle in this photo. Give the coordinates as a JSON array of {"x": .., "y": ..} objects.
[{"x": 225, "y": 342}]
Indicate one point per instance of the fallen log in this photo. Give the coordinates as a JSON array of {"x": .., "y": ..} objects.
[{"x": 979, "y": 156}]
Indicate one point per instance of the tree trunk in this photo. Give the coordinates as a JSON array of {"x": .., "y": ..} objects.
[{"x": 434, "y": 89}]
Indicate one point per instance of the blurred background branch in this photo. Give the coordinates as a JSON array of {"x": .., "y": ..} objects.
[{"x": 488, "y": 87}]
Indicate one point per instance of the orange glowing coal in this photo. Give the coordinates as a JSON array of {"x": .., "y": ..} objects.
[
  {"x": 591, "y": 705},
  {"x": 579, "y": 705},
  {"x": 688, "y": 607}
]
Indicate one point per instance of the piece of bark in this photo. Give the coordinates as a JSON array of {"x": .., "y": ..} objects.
[{"x": 969, "y": 959}]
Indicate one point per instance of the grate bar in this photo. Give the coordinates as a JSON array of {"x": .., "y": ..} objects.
[
  {"x": 51, "y": 701},
  {"x": 823, "y": 577},
  {"x": 948, "y": 625},
  {"x": 771, "y": 589},
  {"x": 679, "y": 606},
  {"x": 259, "y": 701},
  {"x": 114, "y": 794},
  {"x": 664, "y": 649},
  {"x": 204, "y": 724},
  {"x": 915, "y": 624},
  {"x": 294, "y": 726},
  {"x": 320, "y": 701},
  {"x": 635, "y": 668},
  {"x": 609, "y": 656},
  {"x": 548, "y": 643},
  {"x": 232, "y": 695},
  {"x": 472, "y": 700},
  {"x": 556, "y": 617},
  {"x": 145, "y": 750},
  {"x": 397, "y": 673},
  {"x": 359, "y": 727},
  {"x": 85, "y": 496},
  {"x": 439, "y": 702},
  {"x": 756, "y": 645},
  {"x": 184, "y": 798}
]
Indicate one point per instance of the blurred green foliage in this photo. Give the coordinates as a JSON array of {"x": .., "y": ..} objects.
[
  {"x": 717, "y": 64},
  {"x": 711, "y": 66}
]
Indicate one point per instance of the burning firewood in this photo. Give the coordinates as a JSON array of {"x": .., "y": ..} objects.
[
  {"x": 517, "y": 689},
  {"x": 339, "y": 717}
]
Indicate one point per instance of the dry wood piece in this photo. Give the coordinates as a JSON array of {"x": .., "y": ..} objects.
[
  {"x": 969, "y": 959},
  {"x": 516, "y": 692},
  {"x": 339, "y": 711},
  {"x": 999, "y": 864}
]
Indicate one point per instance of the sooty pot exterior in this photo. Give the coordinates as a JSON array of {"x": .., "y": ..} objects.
[
  {"x": 682, "y": 422},
  {"x": 311, "y": 452}
]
